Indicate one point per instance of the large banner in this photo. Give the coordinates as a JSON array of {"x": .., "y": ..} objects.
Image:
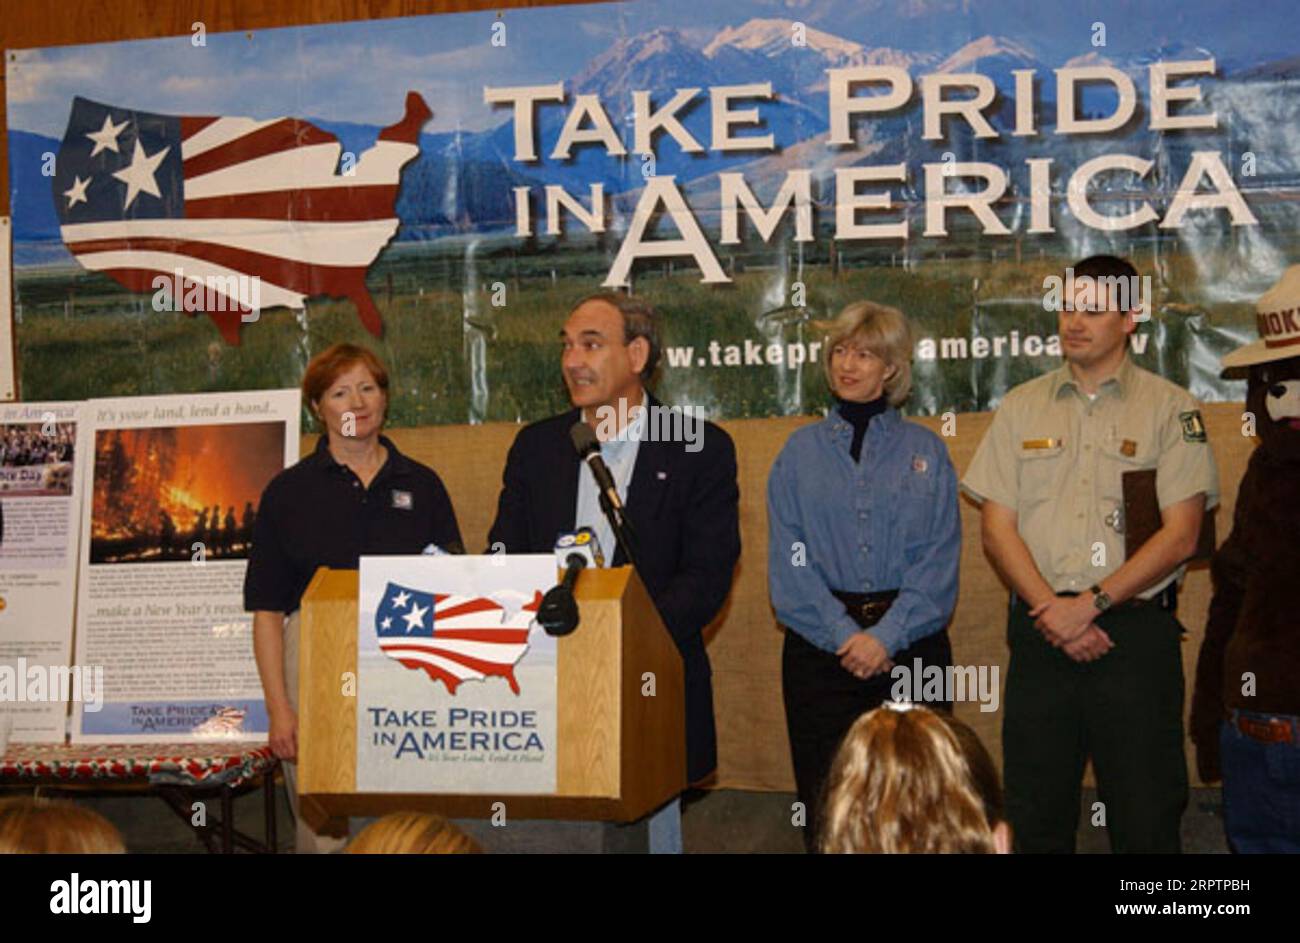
[
  {"x": 204, "y": 212},
  {"x": 171, "y": 496}
]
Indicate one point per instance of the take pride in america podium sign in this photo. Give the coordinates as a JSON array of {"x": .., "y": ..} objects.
[{"x": 455, "y": 679}]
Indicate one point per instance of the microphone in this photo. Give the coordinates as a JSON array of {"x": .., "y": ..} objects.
[
  {"x": 588, "y": 448},
  {"x": 582, "y": 542},
  {"x": 557, "y": 613}
]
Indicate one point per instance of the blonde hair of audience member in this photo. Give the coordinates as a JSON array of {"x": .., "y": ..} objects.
[
  {"x": 30, "y": 825},
  {"x": 413, "y": 833},
  {"x": 881, "y": 330},
  {"x": 901, "y": 784},
  {"x": 985, "y": 778}
]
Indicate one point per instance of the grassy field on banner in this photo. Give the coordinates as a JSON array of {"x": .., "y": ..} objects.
[{"x": 455, "y": 357}]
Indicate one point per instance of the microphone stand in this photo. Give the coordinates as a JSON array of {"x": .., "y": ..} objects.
[
  {"x": 624, "y": 535},
  {"x": 584, "y": 441}
]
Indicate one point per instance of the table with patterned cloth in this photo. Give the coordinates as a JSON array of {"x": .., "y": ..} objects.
[{"x": 178, "y": 773}]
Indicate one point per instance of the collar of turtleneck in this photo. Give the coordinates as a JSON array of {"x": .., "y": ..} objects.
[{"x": 858, "y": 415}]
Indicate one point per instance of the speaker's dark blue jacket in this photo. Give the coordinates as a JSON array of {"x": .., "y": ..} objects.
[{"x": 684, "y": 509}]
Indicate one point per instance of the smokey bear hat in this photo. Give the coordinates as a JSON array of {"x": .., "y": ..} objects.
[{"x": 1277, "y": 316}]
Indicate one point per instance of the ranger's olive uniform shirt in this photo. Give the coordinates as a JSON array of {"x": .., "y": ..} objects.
[{"x": 1055, "y": 456}]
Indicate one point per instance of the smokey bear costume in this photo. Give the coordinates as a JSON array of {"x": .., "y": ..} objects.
[{"x": 1246, "y": 705}]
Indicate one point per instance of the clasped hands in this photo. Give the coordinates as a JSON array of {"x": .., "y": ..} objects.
[
  {"x": 863, "y": 656},
  {"x": 1066, "y": 622}
]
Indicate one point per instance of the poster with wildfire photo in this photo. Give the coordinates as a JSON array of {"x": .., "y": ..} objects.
[
  {"x": 169, "y": 502},
  {"x": 180, "y": 492}
]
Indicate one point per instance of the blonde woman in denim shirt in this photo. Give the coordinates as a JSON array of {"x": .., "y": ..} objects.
[{"x": 864, "y": 543}]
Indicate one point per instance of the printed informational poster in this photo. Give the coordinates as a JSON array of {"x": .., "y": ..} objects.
[
  {"x": 173, "y": 485},
  {"x": 6, "y": 314},
  {"x": 455, "y": 679},
  {"x": 40, "y": 513}
]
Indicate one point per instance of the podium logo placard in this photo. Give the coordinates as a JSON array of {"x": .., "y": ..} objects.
[
  {"x": 456, "y": 683},
  {"x": 454, "y": 638}
]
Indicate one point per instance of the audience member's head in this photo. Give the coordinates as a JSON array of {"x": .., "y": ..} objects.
[
  {"x": 412, "y": 833},
  {"x": 986, "y": 780},
  {"x": 909, "y": 780},
  {"x": 31, "y": 825}
]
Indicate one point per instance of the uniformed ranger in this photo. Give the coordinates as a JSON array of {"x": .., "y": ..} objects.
[{"x": 1096, "y": 668}]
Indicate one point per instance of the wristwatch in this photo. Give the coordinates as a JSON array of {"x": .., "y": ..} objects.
[{"x": 1099, "y": 598}]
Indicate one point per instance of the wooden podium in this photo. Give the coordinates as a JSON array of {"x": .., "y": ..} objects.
[{"x": 619, "y": 754}]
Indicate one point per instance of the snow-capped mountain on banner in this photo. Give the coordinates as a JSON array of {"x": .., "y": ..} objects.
[
  {"x": 801, "y": 54},
  {"x": 462, "y": 180}
]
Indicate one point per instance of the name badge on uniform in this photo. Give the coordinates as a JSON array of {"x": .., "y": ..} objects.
[
  {"x": 402, "y": 500},
  {"x": 1040, "y": 443}
]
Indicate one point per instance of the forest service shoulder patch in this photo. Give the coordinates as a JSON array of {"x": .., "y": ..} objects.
[{"x": 1193, "y": 427}]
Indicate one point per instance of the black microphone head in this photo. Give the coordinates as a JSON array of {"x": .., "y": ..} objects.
[
  {"x": 583, "y": 438},
  {"x": 558, "y": 612}
]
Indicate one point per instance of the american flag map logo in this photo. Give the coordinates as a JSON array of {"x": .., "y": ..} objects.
[
  {"x": 453, "y": 638},
  {"x": 207, "y": 199}
]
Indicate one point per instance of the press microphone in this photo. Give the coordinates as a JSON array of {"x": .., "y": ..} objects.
[
  {"x": 588, "y": 448},
  {"x": 557, "y": 613},
  {"x": 582, "y": 543}
]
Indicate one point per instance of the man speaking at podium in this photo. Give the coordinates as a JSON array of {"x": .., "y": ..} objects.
[{"x": 679, "y": 492}]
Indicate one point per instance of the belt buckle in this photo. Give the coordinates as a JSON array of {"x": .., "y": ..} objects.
[{"x": 1272, "y": 730}]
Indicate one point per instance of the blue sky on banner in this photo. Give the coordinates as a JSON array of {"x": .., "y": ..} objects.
[
  {"x": 337, "y": 72},
  {"x": 359, "y": 72}
]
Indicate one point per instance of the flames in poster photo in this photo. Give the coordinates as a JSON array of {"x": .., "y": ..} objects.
[
  {"x": 229, "y": 215},
  {"x": 158, "y": 492}
]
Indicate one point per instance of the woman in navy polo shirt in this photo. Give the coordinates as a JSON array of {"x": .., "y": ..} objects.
[
  {"x": 864, "y": 542},
  {"x": 355, "y": 494}
]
